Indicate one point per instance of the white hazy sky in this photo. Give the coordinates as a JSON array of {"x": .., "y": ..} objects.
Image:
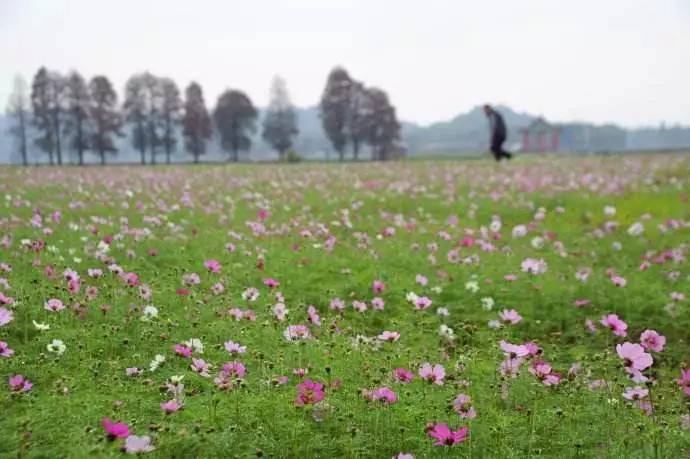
[{"x": 626, "y": 61}]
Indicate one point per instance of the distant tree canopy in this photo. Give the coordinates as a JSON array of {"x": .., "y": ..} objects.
[
  {"x": 280, "y": 120},
  {"x": 197, "y": 128},
  {"x": 70, "y": 113},
  {"x": 352, "y": 113},
  {"x": 235, "y": 116}
]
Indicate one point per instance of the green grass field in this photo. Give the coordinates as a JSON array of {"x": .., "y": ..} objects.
[{"x": 552, "y": 239}]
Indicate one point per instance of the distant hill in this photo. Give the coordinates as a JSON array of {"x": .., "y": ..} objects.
[{"x": 464, "y": 134}]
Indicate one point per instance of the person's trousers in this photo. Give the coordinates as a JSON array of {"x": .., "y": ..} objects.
[{"x": 497, "y": 148}]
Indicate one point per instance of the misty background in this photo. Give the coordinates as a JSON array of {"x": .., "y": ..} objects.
[{"x": 611, "y": 76}]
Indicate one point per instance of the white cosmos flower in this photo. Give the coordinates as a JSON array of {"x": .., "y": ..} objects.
[
  {"x": 56, "y": 346},
  {"x": 156, "y": 362},
  {"x": 636, "y": 229},
  {"x": 150, "y": 312}
]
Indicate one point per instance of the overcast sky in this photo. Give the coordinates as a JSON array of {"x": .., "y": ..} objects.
[{"x": 626, "y": 61}]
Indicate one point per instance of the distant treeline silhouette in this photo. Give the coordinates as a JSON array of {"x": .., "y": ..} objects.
[{"x": 65, "y": 114}]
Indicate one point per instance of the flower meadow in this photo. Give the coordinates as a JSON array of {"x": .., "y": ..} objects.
[{"x": 398, "y": 310}]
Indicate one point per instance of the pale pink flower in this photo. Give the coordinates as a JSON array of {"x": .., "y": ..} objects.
[
  {"x": 6, "y": 316},
  {"x": 377, "y": 303},
  {"x": 171, "y": 406},
  {"x": 234, "y": 348},
  {"x": 422, "y": 303},
  {"x": 634, "y": 356},
  {"x": 138, "y": 445},
  {"x": 635, "y": 393},
  {"x": 421, "y": 280},
  {"x": 510, "y": 316},
  {"x": 652, "y": 341},
  {"x": 378, "y": 287},
  {"x": 514, "y": 350},
  {"x": 53, "y": 305},
  {"x": 5, "y": 350},
  {"x": 389, "y": 336},
  {"x": 297, "y": 332},
  {"x": 617, "y": 326},
  {"x": 463, "y": 406},
  {"x": 337, "y": 304},
  {"x": 433, "y": 374}
]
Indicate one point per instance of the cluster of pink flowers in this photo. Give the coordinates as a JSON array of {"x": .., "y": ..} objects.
[{"x": 309, "y": 392}]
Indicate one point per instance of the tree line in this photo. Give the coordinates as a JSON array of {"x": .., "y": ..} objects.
[{"x": 67, "y": 115}]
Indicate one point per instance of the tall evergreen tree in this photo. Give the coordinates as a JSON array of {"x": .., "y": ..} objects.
[
  {"x": 335, "y": 108},
  {"x": 196, "y": 122},
  {"x": 280, "y": 120},
  {"x": 171, "y": 113},
  {"x": 106, "y": 118},
  {"x": 235, "y": 116},
  {"x": 78, "y": 119},
  {"x": 41, "y": 101},
  {"x": 382, "y": 126},
  {"x": 18, "y": 111},
  {"x": 142, "y": 109}
]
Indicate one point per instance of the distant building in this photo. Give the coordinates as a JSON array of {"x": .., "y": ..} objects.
[{"x": 540, "y": 136}]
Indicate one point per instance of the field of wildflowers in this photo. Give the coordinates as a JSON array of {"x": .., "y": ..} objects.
[{"x": 413, "y": 309}]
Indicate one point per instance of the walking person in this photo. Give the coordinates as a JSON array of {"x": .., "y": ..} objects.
[{"x": 498, "y": 133}]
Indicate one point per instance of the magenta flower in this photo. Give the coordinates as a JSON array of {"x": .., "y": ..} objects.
[
  {"x": 434, "y": 374},
  {"x": 171, "y": 406},
  {"x": 402, "y": 375},
  {"x": 445, "y": 436},
  {"x": 138, "y": 445},
  {"x": 463, "y": 406},
  {"x": 619, "y": 281},
  {"x": 271, "y": 283},
  {"x": 377, "y": 303},
  {"x": 652, "y": 341},
  {"x": 115, "y": 429},
  {"x": 182, "y": 350},
  {"x": 544, "y": 373},
  {"x": 684, "y": 381},
  {"x": 634, "y": 356},
  {"x": 617, "y": 326},
  {"x": 313, "y": 316},
  {"x": 510, "y": 316},
  {"x": 212, "y": 265},
  {"x": 309, "y": 392},
  {"x": 382, "y": 394},
  {"x": 421, "y": 280},
  {"x": 5, "y": 350},
  {"x": 19, "y": 383},
  {"x": 378, "y": 287},
  {"x": 6, "y": 316}
]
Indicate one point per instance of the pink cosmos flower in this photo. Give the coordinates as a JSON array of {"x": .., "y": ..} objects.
[
  {"x": 544, "y": 373},
  {"x": 652, "y": 341},
  {"x": 115, "y": 429},
  {"x": 201, "y": 367},
  {"x": 191, "y": 279},
  {"x": 510, "y": 367},
  {"x": 337, "y": 304},
  {"x": 171, "y": 406},
  {"x": 402, "y": 375},
  {"x": 390, "y": 336},
  {"x": 138, "y": 445},
  {"x": 359, "y": 306},
  {"x": 514, "y": 350},
  {"x": 53, "y": 305},
  {"x": 377, "y": 303},
  {"x": 133, "y": 371},
  {"x": 510, "y": 316},
  {"x": 580, "y": 303},
  {"x": 463, "y": 406},
  {"x": 271, "y": 283},
  {"x": 510, "y": 277},
  {"x": 309, "y": 392},
  {"x": 297, "y": 332},
  {"x": 217, "y": 288},
  {"x": 19, "y": 383},
  {"x": 6, "y": 316},
  {"x": 5, "y": 350},
  {"x": 234, "y": 348},
  {"x": 313, "y": 316},
  {"x": 590, "y": 326},
  {"x": 434, "y": 374},
  {"x": 422, "y": 303},
  {"x": 619, "y": 281},
  {"x": 403, "y": 456},
  {"x": 212, "y": 265},
  {"x": 634, "y": 356},
  {"x": 635, "y": 393},
  {"x": 384, "y": 395},
  {"x": 617, "y": 326},
  {"x": 182, "y": 350},
  {"x": 300, "y": 372},
  {"x": 684, "y": 381},
  {"x": 421, "y": 280},
  {"x": 532, "y": 266},
  {"x": 378, "y": 287},
  {"x": 6, "y": 299},
  {"x": 445, "y": 436}
]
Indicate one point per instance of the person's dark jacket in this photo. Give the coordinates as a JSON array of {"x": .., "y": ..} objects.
[{"x": 498, "y": 126}]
